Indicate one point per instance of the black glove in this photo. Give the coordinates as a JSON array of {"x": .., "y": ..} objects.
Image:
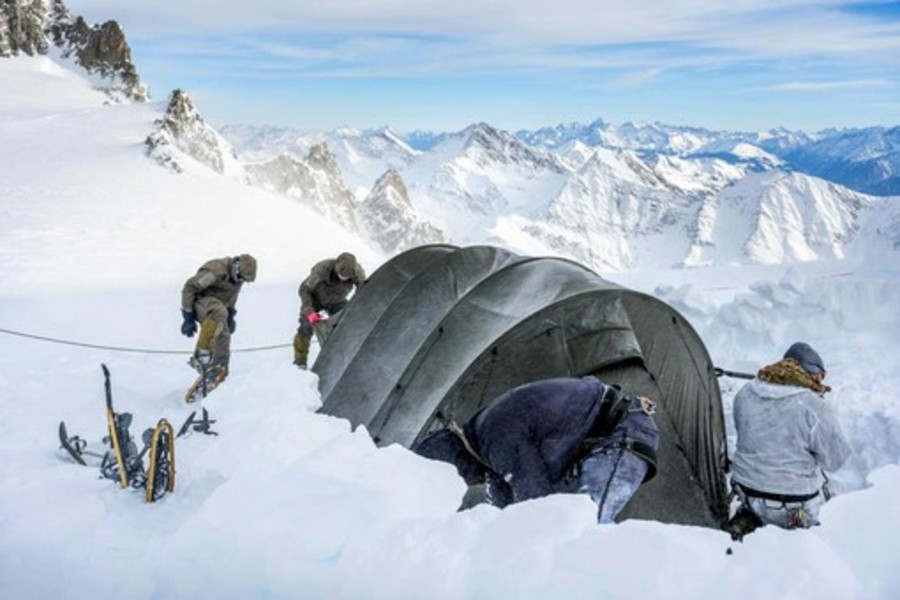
[
  {"x": 189, "y": 327},
  {"x": 231, "y": 324}
]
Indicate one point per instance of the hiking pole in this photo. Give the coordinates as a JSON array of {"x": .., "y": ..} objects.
[{"x": 737, "y": 374}]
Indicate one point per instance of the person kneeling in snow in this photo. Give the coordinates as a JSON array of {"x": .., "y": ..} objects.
[
  {"x": 563, "y": 435},
  {"x": 787, "y": 434}
]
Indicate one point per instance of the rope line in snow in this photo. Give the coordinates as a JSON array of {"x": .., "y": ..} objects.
[{"x": 124, "y": 349}]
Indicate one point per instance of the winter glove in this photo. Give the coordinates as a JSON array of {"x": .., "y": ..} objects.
[
  {"x": 313, "y": 317},
  {"x": 231, "y": 324},
  {"x": 189, "y": 327}
]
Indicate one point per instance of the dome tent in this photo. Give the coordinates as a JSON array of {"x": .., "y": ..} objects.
[{"x": 438, "y": 331}]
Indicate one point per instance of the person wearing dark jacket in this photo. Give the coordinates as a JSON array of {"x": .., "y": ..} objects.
[
  {"x": 327, "y": 287},
  {"x": 562, "y": 435}
]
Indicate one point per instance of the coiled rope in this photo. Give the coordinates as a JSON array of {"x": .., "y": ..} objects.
[{"x": 124, "y": 349}]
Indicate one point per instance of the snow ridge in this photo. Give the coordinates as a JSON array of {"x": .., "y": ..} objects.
[{"x": 182, "y": 133}]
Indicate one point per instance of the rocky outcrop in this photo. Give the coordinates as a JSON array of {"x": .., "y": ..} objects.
[
  {"x": 388, "y": 218},
  {"x": 316, "y": 182},
  {"x": 22, "y": 26},
  {"x": 47, "y": 27},
  {"x": 183, "y": 132}
]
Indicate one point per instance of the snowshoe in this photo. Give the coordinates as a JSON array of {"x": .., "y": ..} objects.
[
  {"x": 206, "y": 382},
  {"x": 161, "y": 468},
  {"x": 73, "y": 445},
  {"x": 123, "y": 462},
  {"x": 114, "y": 466},
  {"x": 77, "y": 448}
]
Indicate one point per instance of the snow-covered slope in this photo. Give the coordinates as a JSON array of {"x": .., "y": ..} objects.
[
  {"x": 776, "y": 217},
  {"x": 81, "y": 169},
  {"x": 863, "y": 159},
  {"x": 362, "y": 157},
  {"x": 470, "y": 179}
]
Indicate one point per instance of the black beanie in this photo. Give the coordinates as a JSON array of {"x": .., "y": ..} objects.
[{"x": 808, "y": 358}]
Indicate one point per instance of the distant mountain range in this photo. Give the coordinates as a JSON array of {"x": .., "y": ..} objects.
[
  {"x": 616, "y": 197},
  {"x": 866, "y": 160}
]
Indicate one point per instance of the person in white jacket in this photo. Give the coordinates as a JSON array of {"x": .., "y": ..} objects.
[{"x": 787, "y": 435}]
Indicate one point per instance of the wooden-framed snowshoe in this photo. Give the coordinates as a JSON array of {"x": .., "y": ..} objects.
[
  {"x": 161, "y": 467},
  {"x": 205, "y": 383},
  {"x": 122, "y": 462},
  {"x": 211, "y": 372}
]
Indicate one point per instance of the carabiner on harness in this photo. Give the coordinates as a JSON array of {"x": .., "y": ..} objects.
[{"x": 642, "y": 404}]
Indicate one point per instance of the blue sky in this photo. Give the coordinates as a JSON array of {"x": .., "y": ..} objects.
[{"x": 423, "y": 64}]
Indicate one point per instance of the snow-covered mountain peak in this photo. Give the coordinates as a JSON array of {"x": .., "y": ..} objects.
[
  {"x": 321, "y": 157},
  {"x": 388, "y": 218},
  {"x": 346, "y": 131},
  {"x": 487, "y": 145},
  {"x": 777, "y": 217},
  {"x": 740, "y": 151},
  {"x": 394, "y": 137},
  {"x": 183, "y": 133},
  {"x": 392, "y": 182}
]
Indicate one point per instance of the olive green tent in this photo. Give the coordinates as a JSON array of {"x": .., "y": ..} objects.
[{"x": 438, "y": 331}]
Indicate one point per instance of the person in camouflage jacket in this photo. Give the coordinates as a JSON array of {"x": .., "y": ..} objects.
[
  {"x": 327, "y": 287},
  {"x": 209, "y": 298}
]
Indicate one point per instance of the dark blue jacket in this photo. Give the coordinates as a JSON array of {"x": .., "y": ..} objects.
[{"x": 531, "y": 435}]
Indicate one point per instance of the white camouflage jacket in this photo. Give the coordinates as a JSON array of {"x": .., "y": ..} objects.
[{"x": 785, "y": 435}]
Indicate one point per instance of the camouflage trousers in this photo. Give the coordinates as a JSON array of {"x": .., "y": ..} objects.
[{"x": 214, "y": 333}]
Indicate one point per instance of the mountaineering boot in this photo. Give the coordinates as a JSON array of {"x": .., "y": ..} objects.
[
  {"x": 214, "y": 374},
  {"x": 212, "y": 369},
  {"x": 209, "y": 379},
  {"x": 743, "y": 522},
  {"x": 301, "y": 350},
  {"x": 200, "y": 361}
]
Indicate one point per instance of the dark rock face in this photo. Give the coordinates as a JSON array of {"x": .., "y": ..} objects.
[
  {"x": 33, "y": 27},
  {"x": 22, "y": 27}
]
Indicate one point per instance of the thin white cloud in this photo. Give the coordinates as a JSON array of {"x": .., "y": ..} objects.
[
  {"x": 439, "y": 35},
  {"x": 826, "y": 86},
  {"x": 636, "y": 78},
  {"x": 509, "y": 21}
]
